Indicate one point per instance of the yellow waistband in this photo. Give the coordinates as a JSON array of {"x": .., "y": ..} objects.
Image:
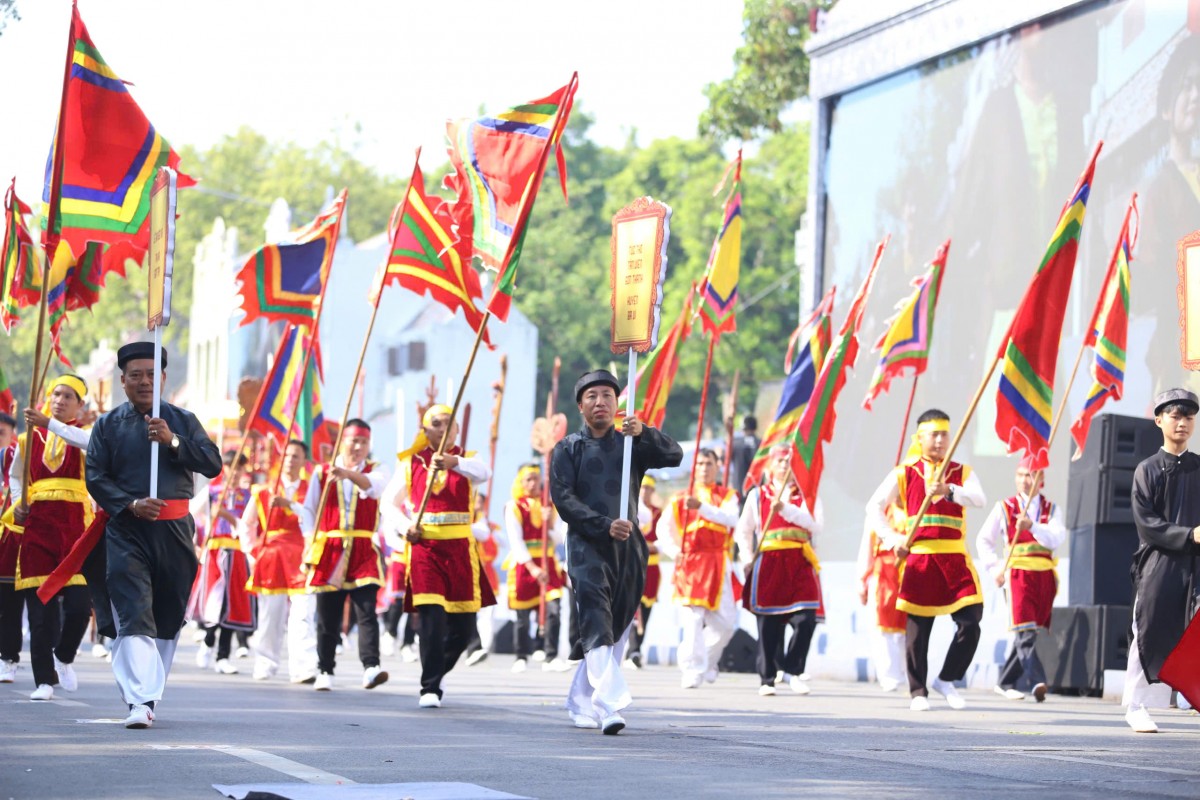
[
  {"x": 932, "y": 547},
  {"x": 434, "y": 531},
  {"x": 347, "y": 534},
  {"x": 447, "y": 518},
  {"x": 790, "y": 544},
  {"x": 939, "y": 521},
  {"x": 1033, "y": 563},
  {"x": 653, "y": 560},
  {"x": 223, "y": 543},
  {"x": 281, "y": 532},
  {"x": 58, "y": 489}
]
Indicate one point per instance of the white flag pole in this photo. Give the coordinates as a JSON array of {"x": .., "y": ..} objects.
[
  {"x": 627, "y": 457},
  {"x": 156, "y": 408}
]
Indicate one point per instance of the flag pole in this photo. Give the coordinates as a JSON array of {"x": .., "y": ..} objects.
[
  {"x": 494, "y": 434},
  {"x": 712, "y": 345},
  {"x": 34, "y": 387},
  {"x": 912, "y": 394},
  {"x": 627, "y": 451}
]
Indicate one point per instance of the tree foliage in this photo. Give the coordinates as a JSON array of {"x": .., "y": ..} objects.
[{"x": 770, "y": 71}]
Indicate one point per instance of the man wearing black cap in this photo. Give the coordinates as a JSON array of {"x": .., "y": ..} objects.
[
  {"x": 1166, "y": 509},
  {"x": 606, "y": 552},
  {"x": 151, "y": 563}
]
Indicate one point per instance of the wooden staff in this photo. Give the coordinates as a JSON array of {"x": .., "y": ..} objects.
[
  {"x": 34, "y": 387},
  {"x": 912, "y": 394},
  {"x": 551, "y": 403},
  {"x": 729, "y": 426},
  {"x": 494, "y": 434},
  {"x": 466, "y": 426}
]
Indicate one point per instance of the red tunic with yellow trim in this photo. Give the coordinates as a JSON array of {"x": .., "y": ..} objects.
[
  {"x": 443, "y": 566},
  {"x": 702, "y": 567},
  {"x": 885, "y": 568},
  {"x": 523, "y": 589},
  {"x": 938, "y": 576},
  {"x": 1032, "y": 580},
  {"x": 653, "y": 571},
  {"x": 219, "y": 594},
  {"x": 59, "y": 510},
  {"x": 785, "y": 578},
  {"x": 344, "y": 553},
  {"x": 9, "y": 539},
  {"x": 279, "y": 556}
]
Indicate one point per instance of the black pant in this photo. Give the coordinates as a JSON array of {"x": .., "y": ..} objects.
[
  {"x": 221, "y": 637},
  {"x": 1023, "y": 669},
  {"x": 329, "y": 626},
  {"x": 55, "y": 629},
  {"x": 12, "y": 603},
  {"x": 524, "y": 642},
  {"x": 635, "y": 638},
  {"x": 958, "y": 657},
  {"x": 771, "y": 628},
  {"x": 391, "y": 617},
  {"x": 444, "y": 637}
]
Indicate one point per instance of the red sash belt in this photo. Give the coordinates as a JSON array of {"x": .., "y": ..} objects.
[{"x": 173, "y": 509}]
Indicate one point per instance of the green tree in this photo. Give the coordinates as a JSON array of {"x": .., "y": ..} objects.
[{"x": 770, "y": 71}]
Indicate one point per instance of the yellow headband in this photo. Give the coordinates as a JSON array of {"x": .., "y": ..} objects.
[
  {"x": 71, "y": 382},
  {"x": 433, "y": 411},
  {"x": 648, "y": 482},
  {"x": 934, "y": 426},
  {"x": 518, "y": 487}
]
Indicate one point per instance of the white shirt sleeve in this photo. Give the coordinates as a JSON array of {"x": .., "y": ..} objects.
[
  {"x": 886, "y": 495},
  {"x": 76, "y": 437},
  {"x": 516, "y": 536},
  {"x": 480, "y": 529},
  {"x": 473, "y": 469},
  {"x": 970, "y": 493},
  {"x": 15, "y": 475},
  {"x": 378, "y": 478},
  {"x": 1053, "y": 533},
  {"x": 558, "y": 530},
  {"x": 247, "y": 529},
  {"x": 725, "y": 515},
  {"x": 745, "y": 533},
  {"x": 668, "y": 532},
  {"x": 644, "y": 515},
  {"x": 391, "y": 507},
  {"x": 798, "y": 515},
  {"x": 308, "y": 515},
  {"x": 992, "y": 541}
]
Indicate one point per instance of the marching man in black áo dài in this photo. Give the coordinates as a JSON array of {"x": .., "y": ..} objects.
[{"x": 606, "y": 551}]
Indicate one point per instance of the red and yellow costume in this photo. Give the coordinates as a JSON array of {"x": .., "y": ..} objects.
[
  {"x": 785, "y": 577},
  {"x": 279, "y": 555},
  {"x": 653, "y": 571},
  {"x": 883, "y": 565},
  {"x": 444, "y": 568},
  {"x": 1032, "y": 580},
  {"x": 705, "y": 549},
  {"x": 523, "y": 589},
  {"x": 345, "y": 554},
  {"x": 10, "y": 542},
  {"x": 59, "y": 508},
  {"x": 938, "y": 576},
  {"x": 220, "y": 595}
]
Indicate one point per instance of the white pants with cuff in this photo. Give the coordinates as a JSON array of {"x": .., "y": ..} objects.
[
  {"x": 705, "y": 634},
  {"x": 293, "y": 616},
  {"x": 599, "y": 689},
  {"x": 141, "y": 665}
]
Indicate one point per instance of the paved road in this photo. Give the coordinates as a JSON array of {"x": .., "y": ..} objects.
[{"x": 508, "y": 733}]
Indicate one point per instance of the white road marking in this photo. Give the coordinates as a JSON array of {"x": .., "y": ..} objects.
[
  {"x": 264, "y": 759},
  {"x": 58, "y": 701},
  {"x": 1113, "y": 764},
  {"x": 99, "y": 721}
]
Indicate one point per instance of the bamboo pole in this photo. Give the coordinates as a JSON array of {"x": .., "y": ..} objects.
[{"x": 907, "y": 416}]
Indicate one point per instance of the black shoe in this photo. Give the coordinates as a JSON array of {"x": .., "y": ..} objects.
[{"x": 636, "y": 658}]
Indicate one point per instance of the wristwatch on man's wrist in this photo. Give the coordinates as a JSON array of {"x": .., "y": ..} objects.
[{"x": 175, "y": 441}]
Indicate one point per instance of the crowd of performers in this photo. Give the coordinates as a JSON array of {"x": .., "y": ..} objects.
[{"x": 290, "y": 559}]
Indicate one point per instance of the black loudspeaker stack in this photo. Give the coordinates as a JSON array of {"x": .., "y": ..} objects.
[
  {"x": 1083, "y": 641},
  {"x": 1100, "y": 509}
]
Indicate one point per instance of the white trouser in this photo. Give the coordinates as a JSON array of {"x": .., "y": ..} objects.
[
  {"x": 1138, "y": 690},
  {"x": 483, "y": 624},
  {"x": 293, "y": 615},
  {"x": 889, "y": 658},
  {"x": 141, "y": 665},
  {"x": 599, "y": 689},
  {"x": 705, "y": 634}
]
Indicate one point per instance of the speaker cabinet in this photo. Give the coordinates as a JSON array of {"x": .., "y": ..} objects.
[
  {"x": 1082, "y": 642},
  {"x": 1101, "y": 556},
  {"x": 741, "y": 654},
  {"x": 1118, "y": 442}
]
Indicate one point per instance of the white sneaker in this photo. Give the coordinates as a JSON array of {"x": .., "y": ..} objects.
[
  {"x": 324, "y": 682},
  {"x": 242, "y": 652},
  {"x": 310, "y": 677},
  {"x": 387, "y": 645},
  {"x": 711, "y": 676},
  {"x": 799, "y": 686},
  {"x": 226, "y": 667},
  {"x": 766, "y": 690},
  {"x": 429, "y": 700},
  {"x": 889, "y": 684},
  {"x": 478, "y": 656},
  {"x": 263, "y": 670},
  {"x": 8, "y": 671},
  {"x": 66, "y": 676},
  {"x": 204, "y": 657},
  {"x": 520, "y": 665},
  {"x": 1008, "y": 694},
  {"x": 374, "y": 676},
  {"x": 407, "y": 654},
  {"x": 199, "y": 634},
  {"x": 44, "y": 691},
  {"x": 584, "y": 721},
  {"x": 140, "y": 716},
  {"x": 556, "y": 665},
  {"x": 919, "y": 703},
  {"x": 612, "y": 725},
  {"x": 947, "y": 690},
  {"x": 1138, "y": 719},
  {"x": 539, "y": 656},
  {"x": 779, "y": 676},
  {"x": 691, "y": 681},
  {"x": 99, "y": 650}
]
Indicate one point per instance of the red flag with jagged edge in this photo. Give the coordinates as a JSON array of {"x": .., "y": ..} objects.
[
  {"x": 1179, "y": 670},
  {"x": 18, "y": 261},
  {"x": 816, "y": 426},
  {"x": 7, "y": 402}
]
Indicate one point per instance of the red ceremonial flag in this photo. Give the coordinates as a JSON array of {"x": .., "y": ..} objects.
[
  {"x": 498, "y": 166},
  {"x": 426, "y": 257},
  {"x": 7, "y": 403},
  {"x": 19, "y": 268},
  {"x": 1179, "y": 670},
  {"x": 98, "y": 176},
  {"x": 817, "y": 424},
  {"x": 1107, "y": 333},
  {"x": 290, "y": 404},
  {"x": 1030, "y": 350}
]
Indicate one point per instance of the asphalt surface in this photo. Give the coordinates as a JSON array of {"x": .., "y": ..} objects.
[{"x": 509, "y": 733}]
